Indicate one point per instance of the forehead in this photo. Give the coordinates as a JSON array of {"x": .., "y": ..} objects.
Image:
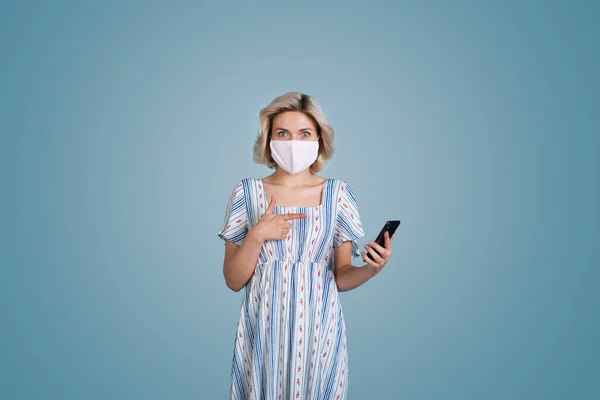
[{"x": 293, "y": 120}]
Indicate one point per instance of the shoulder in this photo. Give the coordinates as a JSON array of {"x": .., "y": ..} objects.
[
  {"x": 241, "y": 188},
  {"x": 334, "y": 181},
  {"x": 340, "y": 184},
  {"x": 344, "y": 193},
  {"x": 246, "y": 182},
  {"x": 248, "y": 188}
]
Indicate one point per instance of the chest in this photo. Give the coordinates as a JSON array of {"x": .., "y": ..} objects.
[{"x": 310, "y": 196}]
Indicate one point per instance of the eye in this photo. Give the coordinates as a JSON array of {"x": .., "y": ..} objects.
[
  {"x": 282, "y": 133},
  {"x": 306, "y": 134}
]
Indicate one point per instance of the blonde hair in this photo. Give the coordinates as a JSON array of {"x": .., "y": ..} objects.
[{"x": 293, "y": 101}]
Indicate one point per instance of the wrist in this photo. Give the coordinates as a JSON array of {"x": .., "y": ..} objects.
[
  {"x": 371, "y": 272},
  {"x": 255, "y": 235}
]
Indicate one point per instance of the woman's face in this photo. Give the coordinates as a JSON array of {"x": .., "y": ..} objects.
[{"x": 293, "y": 125}]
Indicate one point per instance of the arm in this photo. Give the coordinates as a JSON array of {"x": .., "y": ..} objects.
[
  {"x": 240, "y": 261},
  {"x": 348, "y": 276}
]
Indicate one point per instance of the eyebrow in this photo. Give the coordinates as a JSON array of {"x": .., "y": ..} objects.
[{"x": 301, "y": 129}]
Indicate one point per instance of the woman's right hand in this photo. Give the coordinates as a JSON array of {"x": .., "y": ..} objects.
[{"x": 274, "y": 226}]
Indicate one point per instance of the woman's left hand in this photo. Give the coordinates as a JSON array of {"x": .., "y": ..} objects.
[{"x": 380, "y": 254}]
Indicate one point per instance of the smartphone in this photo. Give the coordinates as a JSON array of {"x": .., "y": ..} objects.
[{"x": 390, "y": 226}]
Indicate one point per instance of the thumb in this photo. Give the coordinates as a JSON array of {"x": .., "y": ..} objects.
[{"x": 271, "y": 206}]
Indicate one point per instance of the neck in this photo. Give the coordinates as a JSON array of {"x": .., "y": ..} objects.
[{"x": 283, "y": 177}]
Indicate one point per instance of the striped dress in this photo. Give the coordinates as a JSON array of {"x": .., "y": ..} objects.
[{"x": 290, "y": 341}]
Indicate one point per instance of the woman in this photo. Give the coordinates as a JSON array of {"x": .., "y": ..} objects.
[{"x": 289, "y": 241}]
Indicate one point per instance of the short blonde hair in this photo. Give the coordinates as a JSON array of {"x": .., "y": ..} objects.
[{"x": 293, "y": 101}]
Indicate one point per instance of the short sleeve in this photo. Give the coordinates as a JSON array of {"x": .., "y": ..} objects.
[
  {"x": 348, "y": 226},
  {"x": 235, "y": 224}
]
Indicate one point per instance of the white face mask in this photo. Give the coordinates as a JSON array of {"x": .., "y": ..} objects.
[{"x": 294, "y": 156}]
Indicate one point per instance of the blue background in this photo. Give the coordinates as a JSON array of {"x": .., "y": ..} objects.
[{"x": 126, "y": 125}]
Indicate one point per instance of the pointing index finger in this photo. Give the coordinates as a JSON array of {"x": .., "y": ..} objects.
[{"x": 293, "y": 216}]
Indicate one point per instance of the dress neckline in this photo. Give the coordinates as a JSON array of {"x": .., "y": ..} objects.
[{"x": 323, "y": 191}]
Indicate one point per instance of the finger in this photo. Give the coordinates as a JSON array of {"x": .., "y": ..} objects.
[
  {"x": 374, "y": 254},
  {"x": 293, "y": 216},
  {"x": 378, "y": 248},
  {"x": 368, "y": 260},
  {"x": 271, "y": 206},
  {"x": 387, "y": 241}
]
